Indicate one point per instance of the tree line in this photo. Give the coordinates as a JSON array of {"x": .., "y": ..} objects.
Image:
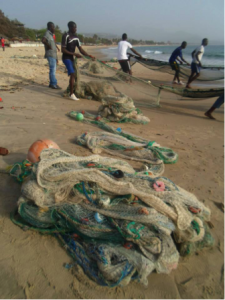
[{"x": 14, "y": 30}]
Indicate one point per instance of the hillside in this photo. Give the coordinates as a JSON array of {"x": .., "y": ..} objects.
[
  {"x": 11, "y": 28},
  {"x": 14, "y": 29}
]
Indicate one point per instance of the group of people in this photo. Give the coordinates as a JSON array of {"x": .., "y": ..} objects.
[
  {"x": 196, "y": 65},
  {"x": 70, "y": 42}
]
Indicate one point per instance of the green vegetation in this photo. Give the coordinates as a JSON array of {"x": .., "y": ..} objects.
[
  {"x": 15, "y": 30},
  {"x": 30, "y": 33}
]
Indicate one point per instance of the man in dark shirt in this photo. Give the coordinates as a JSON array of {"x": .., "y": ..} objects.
[
  {"x": 69, "y": 43},
  {"x": 173, "y": 62},
  {"x": 51, "y": 54}
]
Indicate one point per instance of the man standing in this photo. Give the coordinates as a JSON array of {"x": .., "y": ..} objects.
[
  {"x": 196, "y": 62},
  {"x": 68, "y": 46},
  {"x": 3, "y": 43},
  {"x": 122, "y": 56},
  {"x": 173, "y": 62},
  {"x": 51, "y": 54}
]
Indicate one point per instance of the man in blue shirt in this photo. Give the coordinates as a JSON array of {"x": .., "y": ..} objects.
[{"x": 173, "y": 62}]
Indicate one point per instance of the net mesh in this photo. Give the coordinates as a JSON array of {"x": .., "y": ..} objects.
[
  {"x": 207, "y": 73},
  {"x": 107, "y": 81},
  {"x": 150, "y": 154},
  {"x": 118, "y": 228}
]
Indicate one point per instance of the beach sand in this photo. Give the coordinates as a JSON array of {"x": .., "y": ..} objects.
[{"x": 32, "y": 264}]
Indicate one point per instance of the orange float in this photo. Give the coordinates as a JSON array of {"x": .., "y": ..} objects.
[
  {"x": 36, "y": 148},
  {"x": 143, "y": 211}
]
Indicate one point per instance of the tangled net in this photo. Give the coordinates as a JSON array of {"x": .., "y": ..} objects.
[
  {"x": 93, "y": 67},
  {"x": 116, "y": 224},
  {"x": 116, "y": 106},
  {"x": 151, "y": 154},
  {"x": 121, "y": 109},
  {"x": 207, "y": 73},
  {"x": 95, "y": 90},
  {"x": 104, "y": 76}
]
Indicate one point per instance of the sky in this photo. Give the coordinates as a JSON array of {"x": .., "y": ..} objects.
[{"x": 158, "y": 20}]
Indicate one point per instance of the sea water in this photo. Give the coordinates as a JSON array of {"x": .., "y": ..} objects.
[{"x": 213, "y": 56}]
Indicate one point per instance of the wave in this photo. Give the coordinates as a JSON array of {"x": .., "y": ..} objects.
[
  {"x": 155, "y": 52},
  {"x": 214, "y": 55},
  {"x": 112, "y": 48}
]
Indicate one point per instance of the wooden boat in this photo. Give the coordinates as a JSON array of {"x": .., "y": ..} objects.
[{"x": 193, "y": 93}]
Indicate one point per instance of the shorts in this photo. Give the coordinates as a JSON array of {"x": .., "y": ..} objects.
[
  {"x": 69, "y": 65},
  {"x": 125, "y": 65},
  {"x": 175, "y": 66},
  {"x": 195, "y": 68}
]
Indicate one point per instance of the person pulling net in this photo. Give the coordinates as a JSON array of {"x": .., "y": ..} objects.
[
  {"x": 207, "y": 73},
  {"x": 100, "y": 71}
]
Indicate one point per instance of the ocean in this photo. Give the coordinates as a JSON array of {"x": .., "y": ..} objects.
[{"x": 213, "y": 56}]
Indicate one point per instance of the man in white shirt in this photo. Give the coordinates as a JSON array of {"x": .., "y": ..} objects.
[
  {"x": 196, "y": 62},
  {"x": 122, "y": 56}
]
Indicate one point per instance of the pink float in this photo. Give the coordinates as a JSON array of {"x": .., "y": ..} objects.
[{"x": 159, "y": 186}]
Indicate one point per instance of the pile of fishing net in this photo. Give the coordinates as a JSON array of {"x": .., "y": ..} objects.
[
  {"x": 121, "y": 109},
  {"x": 151, "y": 154},
  {"x": 116, "y": 224},
  {"x": 126, "y": 145},
  {"x": 103, "y": 75},
  {"x": 96, "y": 90},
  {"x": 116, "y": 106}
]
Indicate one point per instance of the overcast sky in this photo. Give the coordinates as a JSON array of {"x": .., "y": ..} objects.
[{"x": 160, "y": 20}]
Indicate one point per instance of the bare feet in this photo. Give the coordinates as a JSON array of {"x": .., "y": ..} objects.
[{"x": 208, "y": 114}]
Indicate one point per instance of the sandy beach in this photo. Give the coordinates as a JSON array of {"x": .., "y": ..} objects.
[{"x": 32, "y": 264}]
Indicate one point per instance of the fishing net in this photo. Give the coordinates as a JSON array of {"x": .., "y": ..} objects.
[
  {"x": 116, "y": 224},
  {"x": 93, "y": 67},
  {"x": 108, "y": 81},
  {"x": 116, "y": 107},
  {"x": 207, "y": 73},
  {"x": 121, "y": 109},
  {"x": 150, "y": 154},
  {"x": 123, "y": 144}
]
